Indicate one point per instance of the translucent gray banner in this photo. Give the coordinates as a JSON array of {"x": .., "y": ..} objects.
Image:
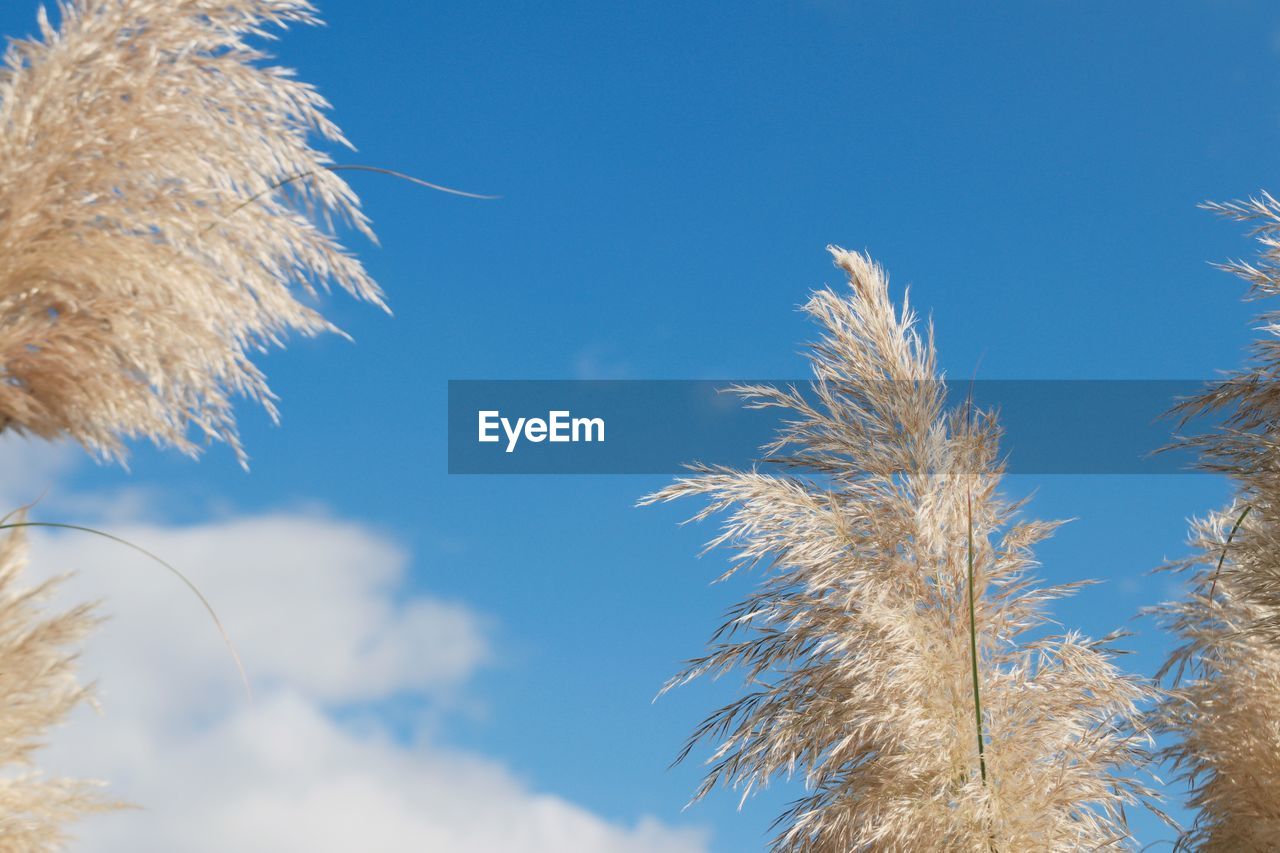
[{"x": 660, "y": 426}]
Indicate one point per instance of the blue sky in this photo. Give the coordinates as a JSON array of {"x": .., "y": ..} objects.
[{"x": 670, "y": 174}]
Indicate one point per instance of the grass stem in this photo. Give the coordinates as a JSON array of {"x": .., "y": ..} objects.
[
  {"x": 352, "y": 167},
  {"x": 1226, "y": 546},
  {"x": 973, "y": 647}
]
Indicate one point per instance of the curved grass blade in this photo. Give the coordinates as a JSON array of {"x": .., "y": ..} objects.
[
  {"x": 354, "y": 167},
  {"x": 226, "y": 638}
]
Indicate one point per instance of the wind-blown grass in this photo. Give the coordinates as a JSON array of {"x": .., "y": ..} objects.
[
  {"x": 38, "y": 689},
  {"x": 1222, "y": 709},
  {"x": 1222, "y": 714},
  {"x": 1244, "y": 447},
  {"x": 154, "y": 234},
  {"x": 130, "y": 298},
  {"x": 881, "y": 531}
]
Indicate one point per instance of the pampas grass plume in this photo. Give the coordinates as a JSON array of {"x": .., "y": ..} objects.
[
  {"x": 39, "y": 689},
  {"x": 163, "y": 216},
  {"x": 1221, "y": 717},
  {"x": 883, "y": 529},
  {"x": 1222, "y": 710},
  {"x": 135, "y": 280}
]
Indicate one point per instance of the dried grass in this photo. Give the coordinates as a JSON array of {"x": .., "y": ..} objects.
[
  {"x": 131, "y": 294},
  {"x": 38, "y": 683},
  {"x": 1222, "y": 715},
  {"x": 1244, "y": 448},
  {"x": 856, "y": 651},
  {"x": 153, "y": 234},
  {"x": 1222, "y": 711}
]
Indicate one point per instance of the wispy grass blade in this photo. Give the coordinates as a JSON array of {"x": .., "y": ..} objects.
[
  {"x": 352, "y": 167},
  {"x": 195, "y": 590}
]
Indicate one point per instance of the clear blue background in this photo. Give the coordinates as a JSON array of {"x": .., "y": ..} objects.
[{"x": 670, "y": 174}]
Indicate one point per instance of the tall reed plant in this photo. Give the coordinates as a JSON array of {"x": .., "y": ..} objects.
[{"x": 893, "y": 654}]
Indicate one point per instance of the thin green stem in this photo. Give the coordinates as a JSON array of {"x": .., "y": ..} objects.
[
  {"x": 973, "y": 647},
  {"x": 226, "y": 638},
  {"x": 350, "y": 167},
  {"x": 1225, "y": 547}
]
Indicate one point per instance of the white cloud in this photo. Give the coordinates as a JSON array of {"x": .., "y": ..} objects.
[
  {"x": 310, "y": 600},
  {"x": 317, "y": 608},
  {"x": 284, "y": 777}
]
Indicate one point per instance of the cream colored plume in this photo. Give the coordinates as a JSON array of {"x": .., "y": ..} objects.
[
  {"x": 162, "y": 217},
  {"x": 1222, "y": 717},
  {"x": 1244, "y": 447},
  {"x": 1222, "y": 712},
  {"x": 883, "y": 525},
  {"x": 144, "y": 255},
  {"x": 39, "y": 688}
]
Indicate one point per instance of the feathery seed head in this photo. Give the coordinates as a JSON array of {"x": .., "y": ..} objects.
[
  {"x": 39, "y": 687},
  {"x": 134, "y": 280},
  {"x": 1223, "y": 704},
  {"x": 883, "y": 541}
]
